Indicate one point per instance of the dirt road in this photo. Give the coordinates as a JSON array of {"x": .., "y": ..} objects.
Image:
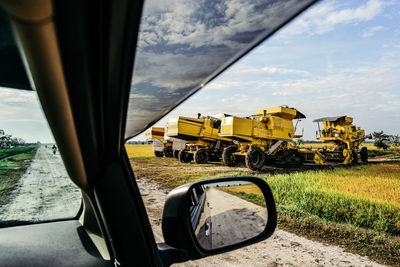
[
  {"x": 282, "y": 249},
  {"x": 44, "y": 192}
]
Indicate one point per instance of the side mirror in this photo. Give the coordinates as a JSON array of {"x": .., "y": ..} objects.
[{"x": 218, "y": 215}]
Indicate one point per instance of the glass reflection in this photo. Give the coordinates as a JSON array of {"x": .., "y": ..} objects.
[
  {"x": 183, "y": 44},
  {"x": 227, "y": 213}
]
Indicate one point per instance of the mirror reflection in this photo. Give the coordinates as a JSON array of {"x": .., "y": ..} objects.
[{"x": 227, "y": 213}]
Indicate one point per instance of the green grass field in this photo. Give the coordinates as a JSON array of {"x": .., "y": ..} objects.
[
  {"x": 14, "y": 150},
  {"x": 12, "y": 168}
]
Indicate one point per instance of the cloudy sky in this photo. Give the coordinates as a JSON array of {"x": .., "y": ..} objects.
[{"x": 338, "y": 58}]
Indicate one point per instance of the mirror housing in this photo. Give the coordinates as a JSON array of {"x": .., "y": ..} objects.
[{"x": 177, "y": 225}]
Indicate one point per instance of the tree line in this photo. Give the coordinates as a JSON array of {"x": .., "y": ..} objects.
[
  {"x": 6, "y": 140},
  {"x": 382, "y": 140}
]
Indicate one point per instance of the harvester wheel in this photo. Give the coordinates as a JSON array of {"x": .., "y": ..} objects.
[
  {"x": 294, "y": 158},
  {"x": 168, "y": 152},
  {"x": 364, "y": 154},
  {"x": 255, "y": 158},
  {"x": 289, "y": 158},
  {"x": 158, "y": 154},
  {"x": 355, "y": 158},
  {"x": 176, "y": 154},
  {"x": 228, "y": 158},
  {"x": 201, "y": 156},
  {"x": 184, "y": 156}
]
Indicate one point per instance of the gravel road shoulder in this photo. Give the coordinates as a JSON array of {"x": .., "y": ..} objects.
[{"x": 44, "y": 192}]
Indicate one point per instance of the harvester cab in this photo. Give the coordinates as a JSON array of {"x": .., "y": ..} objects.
[
  {"x": 161, "y": 146},
  {"x": 201, "y": 135},
  {"x": 342, "y": 139},
  {"x": 262, "y": 138}
]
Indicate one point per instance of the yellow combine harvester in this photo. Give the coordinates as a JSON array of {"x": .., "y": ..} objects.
[
  {"x": 161, "y": 147},
  {"x": 201, "y": 136},
  {"x": 343, "y": 140},
  {"x": 262, "y": 138}
]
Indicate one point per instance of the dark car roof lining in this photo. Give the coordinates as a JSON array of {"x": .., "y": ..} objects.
[{"x": 12, "y": 70}]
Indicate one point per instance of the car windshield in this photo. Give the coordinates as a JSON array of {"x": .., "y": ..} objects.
[{"x": 184, "y": 44}]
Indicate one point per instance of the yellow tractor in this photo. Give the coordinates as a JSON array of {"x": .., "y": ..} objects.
[
  {"x": 201, "y": 135},
  {"x": 342, "y": 139},
  {"x": 161, "y": 147},
  {"x": 262, "y": 138}
]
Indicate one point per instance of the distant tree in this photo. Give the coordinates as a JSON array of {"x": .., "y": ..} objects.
[
  {"x": 6, "y": 140},
  {"x": 381, "y": 140},
  {"x": 17, "y": 141},
  {"x": 395, "y": 140}
]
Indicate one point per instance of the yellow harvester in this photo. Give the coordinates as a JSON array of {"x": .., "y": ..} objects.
[
  {"x": 201, "y": 136},
  {"x": 343, "y": 140},
  {"x": 161, "y": 147},
  {"x": 262, "y": 138}
]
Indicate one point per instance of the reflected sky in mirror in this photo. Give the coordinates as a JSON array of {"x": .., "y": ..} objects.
[{"x": 184, "y": 44}]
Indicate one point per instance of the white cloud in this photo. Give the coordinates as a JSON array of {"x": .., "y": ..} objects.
[
  {"x": 282, "y": 93},
  {"x": 270, "y": 70},
  {"x": 362, "y": 13},
  {"x": 19, "y": 105},
  {"x": 369, "y": 32},
  {"x": 278, "y": 70},
  {"x": 326, "y": 16},
  {"x": 180, "y": 24}
]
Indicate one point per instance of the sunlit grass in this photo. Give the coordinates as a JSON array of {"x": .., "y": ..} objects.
[
  {"x": 365, "y": 196},
  {"x": 379, "y": 182},
  {"x": 139, "y": 151}
]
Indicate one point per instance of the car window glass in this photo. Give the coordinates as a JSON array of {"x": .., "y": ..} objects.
[{"x": 34, "y": 185}]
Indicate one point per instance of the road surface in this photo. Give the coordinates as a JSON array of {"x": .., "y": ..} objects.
[
  {"x": 233, "y": 219},
  {"x": 281, "y": 249},
  {"x": 44, "y": 192}
]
